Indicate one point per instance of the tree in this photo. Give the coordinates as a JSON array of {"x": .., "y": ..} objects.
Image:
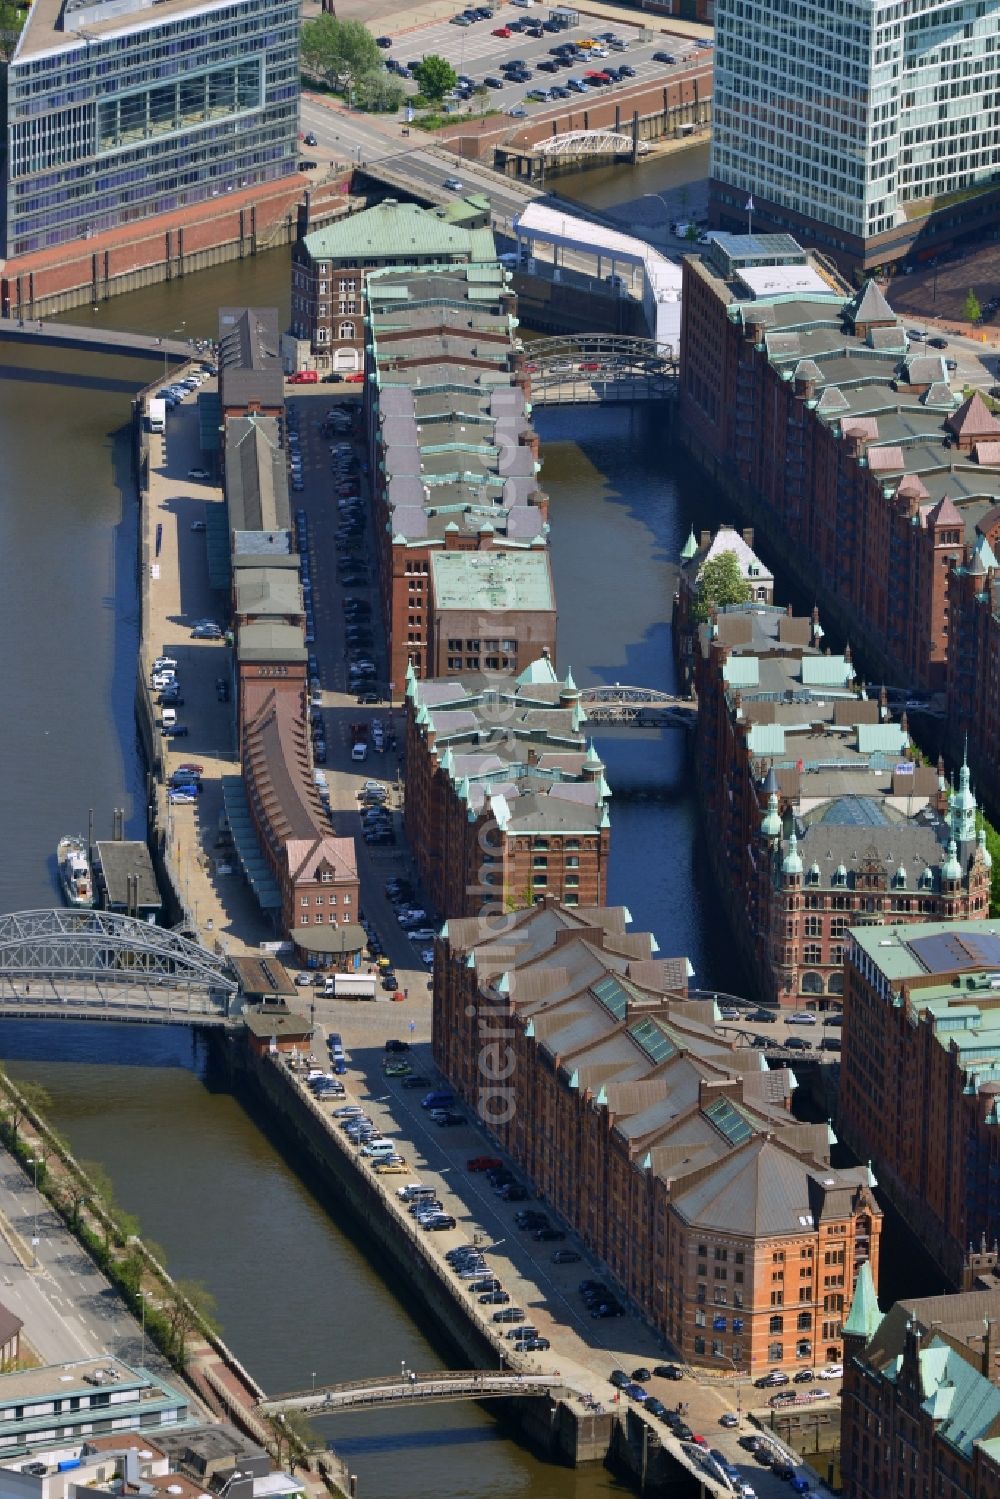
[
  {"x": 436, "y": 77},
  {"x": 721, "y": 582},
  {"x": 12, "y": 18},
  {"x": 34, "y": 1100},
  {"x": 993, "y": 845},
  {"x": 482, "y": 93},
  {"x": 188, "y": 1303},
  {"x": 339, "y": 52},
  {"x": 971, "y": 310},
  {"x": 294, "y": 1434},
  {"x": 378, "y": 92},
  {"x": 101, "y": 1194}
]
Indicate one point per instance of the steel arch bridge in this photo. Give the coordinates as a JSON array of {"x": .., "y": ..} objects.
[
  {"x": 103, "y": 961},
  {"x": 576, "y": 367},
  {"x": 588, "y": 143},
  {"x": 618, "y": 704}
]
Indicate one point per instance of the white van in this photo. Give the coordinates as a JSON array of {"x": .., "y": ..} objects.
[
  {"x": 379, "y": 1147},
  {"x": 169, "y": 718},
  {"x": 359, "y": 752}
]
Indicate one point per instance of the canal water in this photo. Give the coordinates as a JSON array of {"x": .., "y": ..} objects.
[{"x": 296, "y": 1292}]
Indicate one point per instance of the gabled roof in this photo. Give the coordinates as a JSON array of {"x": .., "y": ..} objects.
[
  {"x": 911, "y": 486},
  {"x": 870, "y": 306},
  {"x": 944, "y": 513},
  {"x": 391, "y": 230},
  {"x": 973, "y": 419}
]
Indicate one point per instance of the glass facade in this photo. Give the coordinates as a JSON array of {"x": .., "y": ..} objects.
[
  {"x": 163, "y": 111},
  {"x": 848, "y": 112}
]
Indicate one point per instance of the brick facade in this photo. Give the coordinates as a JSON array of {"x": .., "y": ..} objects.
[
  {"x": 504, "y": 802},
  {"x": 920, "y": 1075},
  {"x": 652, "y": 1137}
]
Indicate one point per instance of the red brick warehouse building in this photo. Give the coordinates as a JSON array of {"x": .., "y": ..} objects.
[
  {"x": 920, "y": 1075},
  {"x": 819, "y": 817},
  {"x": 464, "y": 571},
  {"x": 505, "y": 801},
  {"x": 667, "y": 1148},
  {"x": 853, "y": 446}
]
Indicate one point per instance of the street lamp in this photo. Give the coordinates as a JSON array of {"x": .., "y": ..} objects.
[
  {"x": 34, "y": 1218},
  {"x": 663, "y": 204},
  {"x": 314, "y": 1381},
  {"x": 142, "y": 1345}
]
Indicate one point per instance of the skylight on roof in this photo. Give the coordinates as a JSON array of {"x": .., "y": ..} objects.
[
  {"x": 655, "y": 1043},
  {"x": 611, "y": 995},
  {"x": 729, "y": 1121}
]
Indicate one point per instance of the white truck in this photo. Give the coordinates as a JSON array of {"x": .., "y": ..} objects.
[
  {"x": 157, "y": 415},
  {"x": 354, "y": 985}
]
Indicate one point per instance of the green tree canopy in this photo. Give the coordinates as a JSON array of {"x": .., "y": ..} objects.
[
  {"x": 436, "y": 77},
  {"x": 971, "y": 310},
  {"x": 339, "y": 52},
  {"x": 377, "y": 91},
  {"x": 35, "y": 1099},
  {"x": 720, "y": 583},
  {"x": 12, "y": 19}
]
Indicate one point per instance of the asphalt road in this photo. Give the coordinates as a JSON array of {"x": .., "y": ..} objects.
[
  {"x": 70, "y": 1311},
  {"x": 361, "y": 139}
]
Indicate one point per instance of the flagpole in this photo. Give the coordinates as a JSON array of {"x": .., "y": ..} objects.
[{"x": 750, "y": 217}]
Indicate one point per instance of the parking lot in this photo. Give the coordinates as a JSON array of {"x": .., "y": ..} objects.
[{"x": 478, "y": 54}]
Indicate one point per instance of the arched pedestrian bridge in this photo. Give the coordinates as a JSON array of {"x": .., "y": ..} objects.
[
  {"x": 574, "y": 368},
  {"x": 78, "y": 964},
  {"x": 589, "y": 143},
  {"x": 617, "y": 704}
]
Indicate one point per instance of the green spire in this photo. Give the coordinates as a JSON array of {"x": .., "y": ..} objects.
[
  {"x": 593, "y": 759},
  {"x": 569, "y": 685},
  {"x": 690, "y": 547},
  {"x": 865, "y": 1316},
  {"x": 771, "y": 825},
  {"x": 792, "y": 862}
]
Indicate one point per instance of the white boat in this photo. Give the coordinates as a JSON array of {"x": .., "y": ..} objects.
[{"x": 75, "y": 874}]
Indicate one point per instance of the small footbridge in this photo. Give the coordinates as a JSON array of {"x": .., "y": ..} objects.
[{"x": 615, "y": 705}]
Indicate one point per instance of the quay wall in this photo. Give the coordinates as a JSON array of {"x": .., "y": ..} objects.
[
  {"x": 167, "y": 247},
  {"x": 554, "y": 1428}
]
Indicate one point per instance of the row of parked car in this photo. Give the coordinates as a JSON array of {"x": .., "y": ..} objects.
[{"x": 172, "y": 395}]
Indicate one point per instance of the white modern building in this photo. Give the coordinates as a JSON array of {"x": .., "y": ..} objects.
[{"x": 851, "y": 123}]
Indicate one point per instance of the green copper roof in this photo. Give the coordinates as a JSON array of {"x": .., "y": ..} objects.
[
  {"x": 402, "y": 231},
  {"x": 539, "y": 670},
  {"x": 690, "y": 547},
  {"x": 865, "y": 1316},
  {"x": 492, "y": 579}
]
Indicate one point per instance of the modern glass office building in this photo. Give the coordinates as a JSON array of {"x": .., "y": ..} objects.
[
  {"x": 857, "y": 117},
  {"x": 119, "y": 110}
]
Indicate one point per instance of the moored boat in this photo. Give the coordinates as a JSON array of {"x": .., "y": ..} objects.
[{"x": 75, "y": 874}]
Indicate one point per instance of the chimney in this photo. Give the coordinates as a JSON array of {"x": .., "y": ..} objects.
[
  {"x": 706, "y": 537},
  {"x": 748, "y": 535}
]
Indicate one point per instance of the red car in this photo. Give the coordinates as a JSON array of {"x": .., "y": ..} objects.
[
  {"x": 196, "y": 770},
  {"x": 504, "y": 31},
  {"x": 484, "y": 1163},
  {"x": 531, "y": 368},
  {"x": 357, "y": 379},
  {"x": 591, "y": 364},
  {"x": 304, "y": 377}
]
